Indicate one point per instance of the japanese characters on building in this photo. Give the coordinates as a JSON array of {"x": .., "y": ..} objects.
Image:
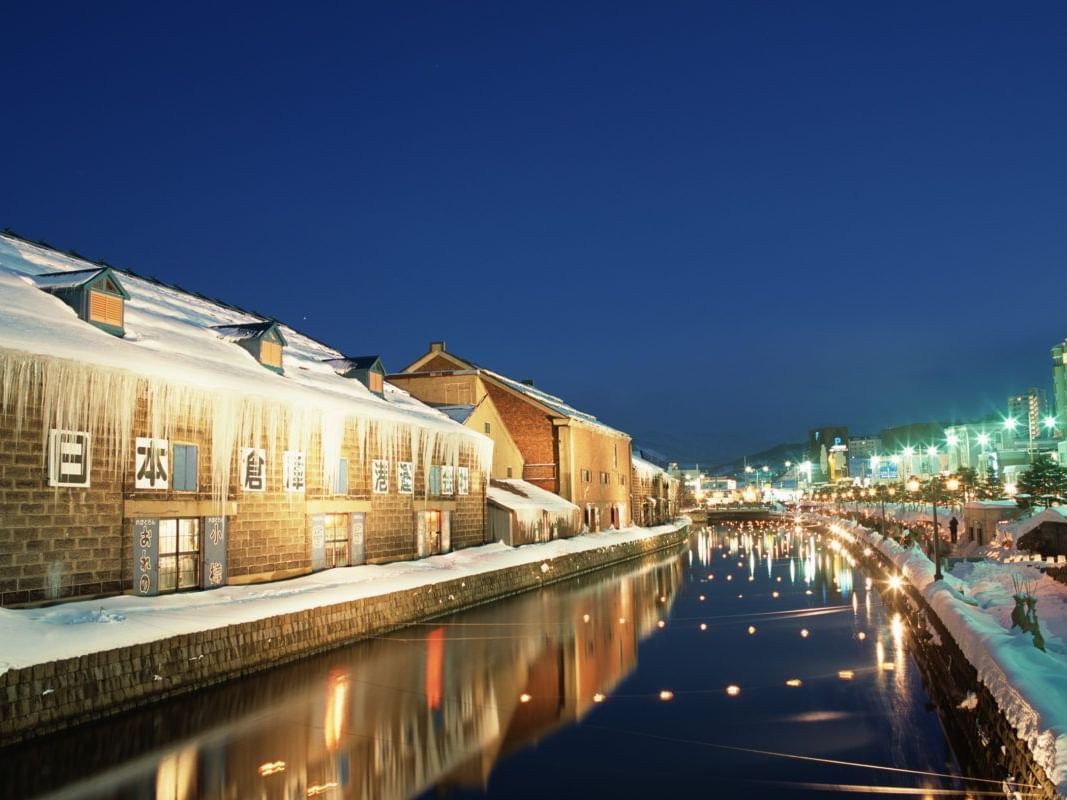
[
  {"x": 380, "y": 476},
  {"x": 405, "y": 477},
  {"x": 447, "y": 480},
  {"x": 69, "y": 455},
  {"x": 463, "y": 480},
  {"x": 295, "y": 471},
  {"x": 253, "y": 470},
  {"x": 151, "y": 464}
]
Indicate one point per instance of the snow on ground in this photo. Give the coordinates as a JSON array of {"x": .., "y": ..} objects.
[
  {"x": 975, "y": 602},
  {"x": 34, "y": 636}
]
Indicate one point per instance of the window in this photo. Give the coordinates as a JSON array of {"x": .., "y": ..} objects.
[
  {"x": 340, "y": 481},
  {"x": 375, "y": 382},
  {"x": 615, "y": 456},
  {"x": 622, "y": 479},
  {"x": 509, "y": 472},
  {"x": 487, "y": 427},
  {"x": 179, "y": 554},
  {"x": 105, "y": 308},
  {"x": 604, "y": 477},
  {"x": 184, "y": 462},
  {"x": 335, "y": 528},
  {"x": 587, "y": 476},
  {"x": 270, "y": 353},
  {"x": 435, "y": 481}
]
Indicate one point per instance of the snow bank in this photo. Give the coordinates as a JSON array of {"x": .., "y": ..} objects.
[
  {"x": 34, "y": 636},
  {"x": 974, "y": 603}
]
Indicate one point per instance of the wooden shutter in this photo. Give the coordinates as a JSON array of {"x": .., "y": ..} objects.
[
  {"x": 105, "y": 308},
  {"x": 270, "y": 353},
  {"x": 375, "y": 382}
]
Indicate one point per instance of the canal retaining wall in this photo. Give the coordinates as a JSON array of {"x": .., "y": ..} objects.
[
  {"x": 55, "y": 695},
  {"x": 980, "y": 732}
]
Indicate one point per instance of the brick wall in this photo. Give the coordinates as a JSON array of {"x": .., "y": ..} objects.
[
  {"x": 532, "y": 431},
  {"x": 58, "y": 543}
]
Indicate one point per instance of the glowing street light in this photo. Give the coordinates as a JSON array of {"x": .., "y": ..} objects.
[
  {"x": 952, "y": 440},
  {"x": 1010, "y": 423},
  {"x": 983, "y": 439},
  {"x": 1049, "y": 423}
]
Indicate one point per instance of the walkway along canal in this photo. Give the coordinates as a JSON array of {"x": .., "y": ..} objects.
[{"x": 758, "y": 662}]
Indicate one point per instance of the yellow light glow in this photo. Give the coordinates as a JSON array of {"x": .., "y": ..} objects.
[
  {"x": 751, "y": 629},
  {"x": 733, "y": 690},
  {"x": 661, "y": 624},
  {"x": 703, "y": 626},
  {"x": 598, "y": 698},
  {"x": 271, "y": 768},
  {"x": 525, "y": 698},
  {"x": 861, "y": 636},
  {"x": 794, "y": 682},
  {"x": 846, "y": 674},
  {"x": 585, "y": 617},
  {"x": 666, "y": 695},
  {"x": 895, "y": 582},
  {"x": 804, "y": 633}
]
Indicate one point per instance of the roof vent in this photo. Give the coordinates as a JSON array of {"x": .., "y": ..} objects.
[
  {"x": 264, "y": 340},
  {"x": 437, "y": 347},
  {"x": 95, "y": 294}
]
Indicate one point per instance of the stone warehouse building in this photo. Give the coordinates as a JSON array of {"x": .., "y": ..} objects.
[
  {"x": 538, "y": 438},
  {"x": 152, "y": 440},
  {"x": 656, "y": 495}
]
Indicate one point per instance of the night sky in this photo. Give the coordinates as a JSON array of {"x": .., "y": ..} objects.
[{"x": 714, "y": 225}]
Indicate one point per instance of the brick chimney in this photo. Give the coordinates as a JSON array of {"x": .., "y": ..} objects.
[{"x": 437, "y": 347}]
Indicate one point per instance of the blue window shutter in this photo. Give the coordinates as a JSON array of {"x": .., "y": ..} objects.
[
  {"x": 435, "y": 481},
  {"x": 192, "y": 458},
  {"x": 177, "y": 467},
  {"x": 341, "y": 484}
]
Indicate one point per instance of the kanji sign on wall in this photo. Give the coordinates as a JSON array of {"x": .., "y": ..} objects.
[
  {"x": 68, "y": 458},
  {"x": 146, "y": 556},
  {"x": 253, "y": 470},
  {"x": 379, "y": 476},
  {"x": 295, "y": 471},
  {"x": 447, "y": 480},
  {"x": 151, "y": 464},
  {"x": 214, "y": 545},
  {"x": 463, "y": 480},
  {"x": 405, "y": 477}
]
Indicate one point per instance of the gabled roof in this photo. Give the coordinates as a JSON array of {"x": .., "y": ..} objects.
[
  {"x": 50, "y": 281},
  {"x": 249, "y": 330},
  {"x": 351, "y": 363},
  {"x": 549, "y": 403},
  {"x": 520, "y": 496}
]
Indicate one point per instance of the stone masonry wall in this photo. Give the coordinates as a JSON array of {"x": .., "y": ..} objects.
[{"x": 48, "y": 697}]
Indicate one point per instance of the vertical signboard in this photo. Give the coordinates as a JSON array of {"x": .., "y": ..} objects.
[
  {"x": 422, "y": 546},
  {"x": 359, "y": 532},
  {"x": 146, "y": 556},
  {"x": 318, "y": 541},
  {"x": 213, "y": 575}
]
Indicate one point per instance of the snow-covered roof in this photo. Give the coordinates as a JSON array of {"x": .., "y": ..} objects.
[
  {"x": 245, "y": 330},
  {"x": 67, "y": 279},
  {"x": 1024, "y": 526},
  {"x": 520, "y": 496},
  {"x": 179, "y": 337},
  {"x": 349, "y": 363},
  {"x": 648, "y": 470},
  {"x": 552, "y": 402},
  {"x": 460, "y": 413}
]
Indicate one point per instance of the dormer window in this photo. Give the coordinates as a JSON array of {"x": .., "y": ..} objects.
[
  {"x": 95, "y": 294},
  {"x": 368, "y": 370},
  {"x": 264, "y": 340}
]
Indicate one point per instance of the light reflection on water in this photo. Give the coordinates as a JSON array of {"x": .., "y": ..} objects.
[{"x": 615, "y": 684}]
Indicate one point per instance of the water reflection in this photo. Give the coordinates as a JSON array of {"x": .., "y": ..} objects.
[
  {"x": 434, "y": 704},
  {"x": 657, "y": 678}
]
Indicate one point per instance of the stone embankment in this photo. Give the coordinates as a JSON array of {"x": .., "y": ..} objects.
[{"x": 51, "y": 696}]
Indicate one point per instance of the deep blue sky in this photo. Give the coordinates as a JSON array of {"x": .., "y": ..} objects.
[{"x": 713, "y": 222}]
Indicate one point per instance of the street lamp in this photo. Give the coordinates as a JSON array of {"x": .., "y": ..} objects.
[{"x": 1050, "y": 425}]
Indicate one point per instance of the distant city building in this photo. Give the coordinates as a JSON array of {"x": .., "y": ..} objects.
[
  {"x": 861, "y": 451},
  {"x": 1059, "y": 379},
  {"x": 828, "y": 452},
  {"x": 1028, "y": 409}
]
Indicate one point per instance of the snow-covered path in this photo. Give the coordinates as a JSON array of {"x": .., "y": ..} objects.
[{"x": 40, "y": 635}]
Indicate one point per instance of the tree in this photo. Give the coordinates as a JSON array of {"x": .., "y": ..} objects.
[
  {"x": 1045, "y": 481},
  {"x": 968, "y": 482},
  {"x": 991, "y": 486}
]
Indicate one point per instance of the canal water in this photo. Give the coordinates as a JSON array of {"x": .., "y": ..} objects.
[{"x": 757, "y": 662}]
